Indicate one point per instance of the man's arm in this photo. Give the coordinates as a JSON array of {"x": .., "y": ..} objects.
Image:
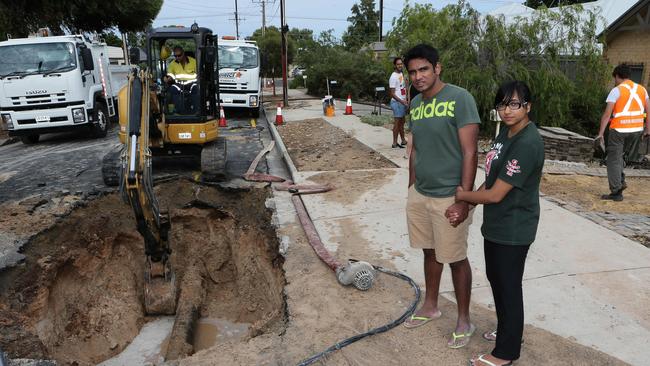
[
  {"x": 394, "y": 96},
  {"x": 607, "y": 114},
  {"x": 391, "y": 91},
  {"x": 171, "y": 72},
  {"x": 392, "y": 86},
  {"x": 646, "y": 131},
  {"x": 468, "y": 137},
  {"x": 412, "y": 162}
]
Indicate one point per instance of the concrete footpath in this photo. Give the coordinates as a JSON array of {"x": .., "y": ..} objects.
[{"x": 582, "y": 281}]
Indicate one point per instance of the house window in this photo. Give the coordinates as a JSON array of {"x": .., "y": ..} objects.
[{"x": 636, "y": 73}]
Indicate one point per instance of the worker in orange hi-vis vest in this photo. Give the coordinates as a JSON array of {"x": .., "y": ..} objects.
[{"x": 626, "y": 112}]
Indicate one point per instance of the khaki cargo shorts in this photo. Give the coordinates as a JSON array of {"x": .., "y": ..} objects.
[{"x": 430, "y": 229}]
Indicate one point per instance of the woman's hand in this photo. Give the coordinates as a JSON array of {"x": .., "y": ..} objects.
[{"x": 459, "y": 192}]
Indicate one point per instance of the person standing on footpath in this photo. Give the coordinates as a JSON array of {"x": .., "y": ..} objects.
[
  {"x": 445, "y": 124},
  {"x": 513, "y": 171},
  {"x": 398, "y": 101},
  {"x": 627, "y": 103}
]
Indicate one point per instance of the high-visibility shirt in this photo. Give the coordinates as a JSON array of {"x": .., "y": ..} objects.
[
  {"x": 630, "y": 107},
  {"x": 183, "y": 73}
]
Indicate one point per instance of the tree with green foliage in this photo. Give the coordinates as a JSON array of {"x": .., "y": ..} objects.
[
  {"x": 270, "y": 47},
  {"x": 136, "y": 39},
  {"x": 111, "y": 39},
  {"x": 304, "y": 40},
  {"x": 536, "y": 4},
  {"x": 364, "y": 25},
  {"x": 555, "y": 52},
  {"x": 19, "y": 18},
  {"x": 357, "y": 73}
]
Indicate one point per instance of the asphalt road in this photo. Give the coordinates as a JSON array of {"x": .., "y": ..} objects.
[
  {"x": 59, "y": 162},
  {"x": 71, "y": 162}
]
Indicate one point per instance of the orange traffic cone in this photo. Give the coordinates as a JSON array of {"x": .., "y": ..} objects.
[
  {"x": 222, "y": 118},
  {"x": 348, "y": 106},
  {"x": 278, "y": 115}
]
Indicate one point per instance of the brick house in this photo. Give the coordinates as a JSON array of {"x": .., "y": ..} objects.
[{"x": 627, "y": 40}]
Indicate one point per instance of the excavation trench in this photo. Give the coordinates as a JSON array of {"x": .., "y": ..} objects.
[{"x": 77, "y": 298}]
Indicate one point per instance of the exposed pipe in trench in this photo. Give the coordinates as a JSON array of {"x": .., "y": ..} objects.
[{"x": 360, "y": 274}]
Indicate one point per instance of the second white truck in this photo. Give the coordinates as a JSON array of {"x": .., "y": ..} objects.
[{"x": 239, "y": 74}]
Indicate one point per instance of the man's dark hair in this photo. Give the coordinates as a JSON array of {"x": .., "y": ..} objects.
[
  {"x": 422, "y": 51},
  {"x": 622, "y": 71},
  {"x": 179, "y": 48},
  {"x": 508, "y": 89},
  {"x": 395, "y": 60}
]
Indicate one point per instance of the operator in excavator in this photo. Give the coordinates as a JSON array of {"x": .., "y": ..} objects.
[{"x": 182, "y": 91}]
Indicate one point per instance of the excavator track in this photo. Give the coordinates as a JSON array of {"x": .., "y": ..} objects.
[
  {"x": 112, "y": 168},
  {"x": 213, "y": 160}
]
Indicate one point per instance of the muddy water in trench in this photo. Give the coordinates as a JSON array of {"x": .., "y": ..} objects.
[{"x": 78, "y": 296}]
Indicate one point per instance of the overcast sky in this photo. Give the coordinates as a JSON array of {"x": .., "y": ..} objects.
[{"x": 318, "y": 15}]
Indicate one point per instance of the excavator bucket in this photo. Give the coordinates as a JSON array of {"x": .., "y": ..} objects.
[{"x": 160, "y": 292}]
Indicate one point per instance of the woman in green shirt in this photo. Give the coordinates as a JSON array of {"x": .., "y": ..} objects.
[{"x": 513, "y": 170}]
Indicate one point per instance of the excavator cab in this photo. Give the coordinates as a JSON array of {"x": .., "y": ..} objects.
[
  {"x": 165, "y": 110},
  {"x": 180, "y": 64},
  {"x": 184, "y": 109}
]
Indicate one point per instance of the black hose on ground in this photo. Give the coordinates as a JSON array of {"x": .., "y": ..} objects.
[{"x": 383, "y": 328}]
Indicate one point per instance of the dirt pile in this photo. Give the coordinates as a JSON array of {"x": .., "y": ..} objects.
[
  {"x": 586, "y": 191},
  {"x": 77, "y": 297},
  {"x": 315, "y": 145}
]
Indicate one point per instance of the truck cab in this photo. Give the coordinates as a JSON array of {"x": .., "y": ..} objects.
[
  {"x": 239, "y": 74},
  {"x": 54, "y": 84}
]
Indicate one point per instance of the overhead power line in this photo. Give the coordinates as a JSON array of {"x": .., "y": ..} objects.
[
  {"x": 205, "y": 16},
  {"x": 200, "y": 6}
]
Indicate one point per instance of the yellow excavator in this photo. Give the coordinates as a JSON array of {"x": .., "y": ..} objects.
[{"x": 164, "y": 114}]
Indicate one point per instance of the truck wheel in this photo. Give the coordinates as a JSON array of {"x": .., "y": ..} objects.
[
  {"x": 30, "y": 139},
  {"x": 112, "y": 168},
  {"x": 255, "y": 113},
  {"x": 213, "y": 160},
  {"x": 99, "y": 127}
]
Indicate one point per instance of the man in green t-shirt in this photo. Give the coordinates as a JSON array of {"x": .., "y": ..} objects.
[{"x": 445, "y": 124}]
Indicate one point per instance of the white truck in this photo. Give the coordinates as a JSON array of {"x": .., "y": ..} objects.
[
  {"x": 54, "y": 84},
  {"x": 240, "y": 84}
]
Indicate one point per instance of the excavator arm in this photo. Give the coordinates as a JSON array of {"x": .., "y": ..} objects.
[{"x": 137, "y": 188}]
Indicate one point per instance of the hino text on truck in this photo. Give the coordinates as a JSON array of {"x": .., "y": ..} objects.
[
  {"x": 54, "y": 84},
  {"x": 239, "y": 74}
]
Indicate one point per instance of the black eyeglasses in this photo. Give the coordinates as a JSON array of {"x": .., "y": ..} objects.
[
  {"x": 178, "y": 56},
  {"x": 513, "y": 105}
]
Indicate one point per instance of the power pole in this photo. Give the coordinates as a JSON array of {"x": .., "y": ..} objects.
[
  {"x": 381, "y": 19},
  {"x": 284, "y": 29},
  {"x": 236, "y": 21},
  {"x": 125, "y": 49},
  {"x": 263, "y": 18},
  {"x": 263, "y": 3}
]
